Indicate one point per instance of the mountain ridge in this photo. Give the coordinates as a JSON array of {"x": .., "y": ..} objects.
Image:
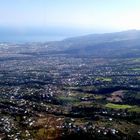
[{"x": 92, "y": 44}]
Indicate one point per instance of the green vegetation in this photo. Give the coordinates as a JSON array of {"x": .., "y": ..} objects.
[
  {"x": 68, "y": 100},
  {"x": 135, "y": 109},
  {"x": 117, "y": 106},
  {"x": 135, "y": 69},
  {"x": 103, "y": 79},
  {"x": 133, "y": 95},
  {"x": 130, "y": 108}
]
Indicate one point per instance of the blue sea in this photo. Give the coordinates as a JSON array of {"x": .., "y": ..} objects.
[{"x": 31, "y": 38}]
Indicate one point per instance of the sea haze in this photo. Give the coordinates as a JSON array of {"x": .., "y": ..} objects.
[
  {"x": 30, "y": 38},
  {"x": 37, "y": 34},
  {"x": 29, "y": 35}
]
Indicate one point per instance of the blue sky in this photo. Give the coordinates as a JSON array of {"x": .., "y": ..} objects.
[{"x": 81, "y": 16}]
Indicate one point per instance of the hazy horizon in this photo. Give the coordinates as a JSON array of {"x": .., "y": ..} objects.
[
  {"x": 47, "y": 20},
  {"x": 41, "y": 35}
]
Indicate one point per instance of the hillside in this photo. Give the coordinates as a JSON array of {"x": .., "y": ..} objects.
[{"x": 125, "y": 43}]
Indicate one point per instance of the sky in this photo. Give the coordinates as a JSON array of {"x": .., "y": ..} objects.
[{"x": 67, "y": 17}]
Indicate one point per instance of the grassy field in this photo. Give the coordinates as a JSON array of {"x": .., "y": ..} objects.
[
  {"x": 129, "y": 107},
  {"x": 104, "y": 79},
  {"x": 68, "y": 100},
  {"x": 117, "y": 106}
]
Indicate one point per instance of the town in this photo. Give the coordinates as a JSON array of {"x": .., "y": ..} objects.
[{"x": 64, "y": 97}]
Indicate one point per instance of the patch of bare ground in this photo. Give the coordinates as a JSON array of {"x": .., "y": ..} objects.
[{"x": 116, "y": 96}]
